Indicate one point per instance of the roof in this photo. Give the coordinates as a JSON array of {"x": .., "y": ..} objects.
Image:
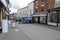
[
  {"x": 22, "y": 8},
  {"x": 41, "y": 15}
]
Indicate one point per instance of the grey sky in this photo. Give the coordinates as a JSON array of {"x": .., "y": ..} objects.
[{"x": 17, "y": 4}]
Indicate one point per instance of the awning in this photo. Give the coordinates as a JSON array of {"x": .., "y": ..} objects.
[
  {"x": 41, "y": 15},
  {"x": 54, "y": 9},
  {"x": 1, "y": 4},
  {"x": 4, "y": 2}
]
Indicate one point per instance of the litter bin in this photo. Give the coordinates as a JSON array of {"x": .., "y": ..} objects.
[{"x": 13, "y": 24}]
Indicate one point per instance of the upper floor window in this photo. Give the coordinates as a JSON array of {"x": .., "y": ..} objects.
[
  {"x": 42, "y": 9},
  {"x": 36, "y": 0},
  {"x": 42, "y": 0},
  {"x": 30, "y": 11},
  {"x": 36, "y": 10}
]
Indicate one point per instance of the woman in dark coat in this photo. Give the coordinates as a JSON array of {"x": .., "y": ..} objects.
[{"x": 19, "y": 21}]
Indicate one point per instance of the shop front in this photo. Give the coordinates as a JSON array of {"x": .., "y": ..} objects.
[
  {"x": 41, "y": 18},
  {"x": 54, "y": 16},
  {"x": 3, "y": 18},
  {"x": 1, "y": 6},
  {"x": 0, "y": 21}
]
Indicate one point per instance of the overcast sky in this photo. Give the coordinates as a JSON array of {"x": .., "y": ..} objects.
[{"x": 17, "y": 4}]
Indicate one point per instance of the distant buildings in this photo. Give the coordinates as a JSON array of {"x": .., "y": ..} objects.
[
  {"x": 23, "y": 12},
  {"x": 26, "y": 11}
]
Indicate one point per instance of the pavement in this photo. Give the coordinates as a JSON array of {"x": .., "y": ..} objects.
[
  {"x": 14, "y": 34},
  {"x": 30, "y": 32},
  {"x": 48, "y": 26},
  {"x": 39, "y": 32},
  {"x": 17, "y": 34},
  {"x": 3, "y": 36}
]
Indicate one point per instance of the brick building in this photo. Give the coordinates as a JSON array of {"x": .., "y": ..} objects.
[
  {"x": 43, "y": 5},
  {"x": 40, "y": 9},
  {"x": 54, "y": 14}
]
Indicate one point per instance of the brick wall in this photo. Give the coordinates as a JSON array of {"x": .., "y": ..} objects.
[
  {"x": 39, "y": 6},
  {"x": 34, "y": 7},
  {"x": 38, "y": 9},
  {"x": 51, "y": 3},
  {"x": 47, "y": 4}
]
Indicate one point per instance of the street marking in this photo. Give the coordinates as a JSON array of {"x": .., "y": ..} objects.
[{"x": 16, "y": 30}]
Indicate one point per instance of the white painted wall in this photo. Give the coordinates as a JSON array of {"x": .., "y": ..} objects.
[
  {"x": 23, "y": 12},
  {"x": 26, "y": 11},
  {"x": 30, "y": 8}
]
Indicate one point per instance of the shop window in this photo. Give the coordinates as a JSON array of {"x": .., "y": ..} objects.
[
  {"x": 59, "y": 17},
  {"x": 42, "y": 0},
  {"x": 53, "y": 16},
  {"x": 30, "y": 11},
  {"x": 35, "y": 0},
  {"x": 42, "y": 9},
  {"x": 36, "y": 10}
]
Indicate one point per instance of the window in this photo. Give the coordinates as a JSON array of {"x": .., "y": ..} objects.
[
  {"x": 42, "y": 9},
  {"x": 42, "y": 0},
  {"x": 59, "y": 16},
  {"x": 36, "y": 10},
  {"x": 36, "y": 0},
  {"x": 53, "y": 16},
  {"x": 30, "y": 11}
]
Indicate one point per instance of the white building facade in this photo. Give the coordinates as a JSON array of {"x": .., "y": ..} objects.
[
  {"x": 26, "y": 11},
  {"x": 30, "y": 8},
  {"x": 23, "y": 12}
]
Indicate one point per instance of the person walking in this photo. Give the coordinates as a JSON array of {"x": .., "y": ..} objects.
[{"x": 19, "y": 21}]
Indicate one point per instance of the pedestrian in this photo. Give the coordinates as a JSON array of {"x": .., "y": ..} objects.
[{"x": 19, "y": 21}]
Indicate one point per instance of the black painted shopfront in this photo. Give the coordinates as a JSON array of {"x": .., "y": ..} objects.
[
  {"x": 54, "y": 16},
  {"x": 41, "y": 19}
]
